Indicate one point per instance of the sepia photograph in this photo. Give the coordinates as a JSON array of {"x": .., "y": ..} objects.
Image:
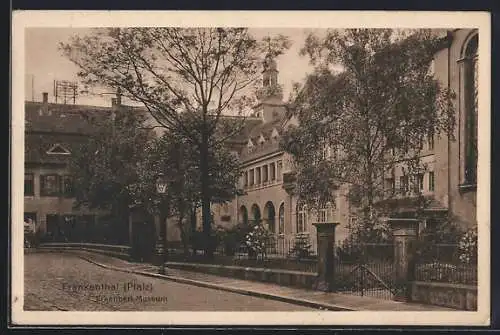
[{"x": 251, "y": 162}]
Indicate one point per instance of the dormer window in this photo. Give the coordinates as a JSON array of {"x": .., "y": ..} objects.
[
  {"x": 275, "y": 134},
  {"x": 261, "y": 139},
  {"x": 250, "y": 145},
  {"x": 58, "y": 149}
]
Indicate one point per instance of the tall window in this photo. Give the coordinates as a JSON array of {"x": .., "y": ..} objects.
[
  {"x": 430, "y": 141},
  {"x": 431, "y": 181},
  {"x": 264, "y": 173},
  {"x": 252, "y": 180},
  {"x": 258, "y": 181},
  {"x": 470, "y": 104},
  {"x": 49, "y": 185},
  {"x": 273, "y": 171},
  {"x": 29, "y": 184},
  {"x": 301, "y": 218},
  {"x": 389, "y": 185},
  {"x": 246, "y": 178},
  {"x": 403, "y": 184},
  {"x": 418, "y": 183},
  {"x": 281, "y": 219}
]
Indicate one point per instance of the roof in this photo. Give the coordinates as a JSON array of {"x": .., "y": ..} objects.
[
  {"x": 37, "y": 146},
  {"x": 249, "y": 123},
  {"x": 65, "y": 118},
  {"x": 266, "y": 128},
  {"x": 62, "y": 118},
  {"x": 66, "y": 125}
]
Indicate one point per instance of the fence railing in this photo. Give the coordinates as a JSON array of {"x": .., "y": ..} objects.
[
  {"x": 443, "y": 263},
  {"x": 279, "y": 253},
  {"x": 366, "y": 270}
]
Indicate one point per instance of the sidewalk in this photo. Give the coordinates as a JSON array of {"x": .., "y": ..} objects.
[{"x": 317, "y": 299}]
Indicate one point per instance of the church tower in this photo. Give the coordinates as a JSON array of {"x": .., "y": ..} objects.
[{"x": 270, "y": 95}]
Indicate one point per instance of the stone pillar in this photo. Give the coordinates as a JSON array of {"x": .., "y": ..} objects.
[
  {"x": 404, "y": 232},
  {"x": 325, "y": 232}
]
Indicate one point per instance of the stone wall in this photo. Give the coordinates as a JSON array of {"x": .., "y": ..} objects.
[
  {"x": 282, "y": 277},
  {"x": 463, "y": 297}
]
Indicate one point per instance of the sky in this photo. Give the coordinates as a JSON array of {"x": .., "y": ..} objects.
[{"x": 44, "y": 63}]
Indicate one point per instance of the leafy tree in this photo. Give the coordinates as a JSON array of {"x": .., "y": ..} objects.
[
  {"x": 105, "y": 165},
  {"x": 178, "y": 74},
  {"x": 366, "y": 108},
  {"x": 172, "y": 156}
]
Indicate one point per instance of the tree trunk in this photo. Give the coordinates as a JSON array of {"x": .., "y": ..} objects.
[
  {"x": 205, "y": 196},
  {"x": 180, "y": 224},
  {"x": 193, "y": 220}
]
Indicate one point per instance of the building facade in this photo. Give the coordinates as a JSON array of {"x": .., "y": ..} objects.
[
  {"x": 449, "y": 180},
  {"x": 450, "y": 177},
  {"x": 265, "y": 194},
  {"x": 52, "y": 133}
]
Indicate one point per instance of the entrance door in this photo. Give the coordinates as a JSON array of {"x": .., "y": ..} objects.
[{"x": 53, "y": 232}]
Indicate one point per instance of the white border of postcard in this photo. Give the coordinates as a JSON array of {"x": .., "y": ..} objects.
[{"x": 264, "y": 19}]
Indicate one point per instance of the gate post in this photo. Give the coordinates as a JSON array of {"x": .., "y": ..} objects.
[
  {"x": 326, "y": 256},
  {"x": 404, "y": 232}
]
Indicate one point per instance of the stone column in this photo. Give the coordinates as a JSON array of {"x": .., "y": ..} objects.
[
  {"x": 326, "y": 255},
  {"x": 404, "y": 232}
]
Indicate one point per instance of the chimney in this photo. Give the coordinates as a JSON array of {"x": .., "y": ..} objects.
[{"x": 45, "y": 105}]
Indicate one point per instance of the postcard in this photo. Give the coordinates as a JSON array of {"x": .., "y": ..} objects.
[{"x": 250, "y": 168}]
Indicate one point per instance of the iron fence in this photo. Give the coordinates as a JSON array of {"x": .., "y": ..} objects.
[
  {"x": 366, "y": 270},
  {"x": 443, "y": 263},
  {"x": 277, "y": 253}
]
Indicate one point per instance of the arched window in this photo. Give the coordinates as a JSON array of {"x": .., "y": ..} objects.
[
  {"x": 243, "y": 217},
  {"x": 281, "y": 219},
  {"x": 323, "y": 214},
  {"x": 469, "y": 102},
  {"x": 256, "y": 217},
  {"x": 301, "y": 218},
  {"x": 269, "y": 216}
]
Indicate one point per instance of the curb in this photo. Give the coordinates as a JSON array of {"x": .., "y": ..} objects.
[{"x": 258, "y": 294}]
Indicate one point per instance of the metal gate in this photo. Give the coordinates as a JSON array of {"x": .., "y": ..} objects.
[{"x": 367, "y": 271}]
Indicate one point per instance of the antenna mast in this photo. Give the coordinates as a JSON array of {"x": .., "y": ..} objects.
[{"x": 66, "y": 89}]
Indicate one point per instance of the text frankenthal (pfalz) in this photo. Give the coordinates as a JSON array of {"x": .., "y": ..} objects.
[{"x": 130, "y": 286}]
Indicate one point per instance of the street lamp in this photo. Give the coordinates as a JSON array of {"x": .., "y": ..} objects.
[{"x": 161, "y": 188}]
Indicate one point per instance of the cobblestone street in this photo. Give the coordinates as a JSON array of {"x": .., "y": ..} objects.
[{"x": 61, "y": 282}]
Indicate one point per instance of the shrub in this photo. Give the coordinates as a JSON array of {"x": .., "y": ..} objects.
[
  {"x": 232, "y": 238},
  {"x": 468, "y": 247},
  {"x": 302, "y": 247},
  {"x": 256, "y": 239}
]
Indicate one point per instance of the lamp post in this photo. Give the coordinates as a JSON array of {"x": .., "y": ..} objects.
[{"x": 161, "y": 188}]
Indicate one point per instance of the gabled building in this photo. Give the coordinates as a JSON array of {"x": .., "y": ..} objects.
[{"x": 53, "y": 132}]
